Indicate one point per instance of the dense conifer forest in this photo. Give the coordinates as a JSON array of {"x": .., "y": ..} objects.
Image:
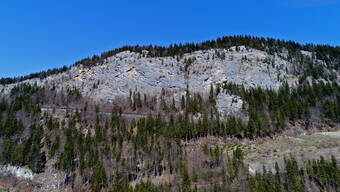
[{"x": 119, "y": 146}]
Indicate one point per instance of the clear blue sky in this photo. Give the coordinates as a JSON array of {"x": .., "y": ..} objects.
[{"x": 37, "y": 35}]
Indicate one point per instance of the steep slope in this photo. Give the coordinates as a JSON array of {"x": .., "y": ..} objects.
[
  {"x": 129, "y": 71},
  {"x": 202, "y": 119}
]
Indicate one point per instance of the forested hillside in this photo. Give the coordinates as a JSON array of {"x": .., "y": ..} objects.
[{"x": 176, "y": 138}]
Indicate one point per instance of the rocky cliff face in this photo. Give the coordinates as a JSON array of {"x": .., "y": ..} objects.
[{"x": 128, "y": 71}]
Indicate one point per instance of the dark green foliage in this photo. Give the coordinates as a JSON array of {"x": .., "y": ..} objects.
[
  {"x": 326, "y": 53},
  {"x": 324, "y": 172},
  {"x": 183, "y": 102},
  {"x": 216, "y": 154},
  {"x": 237, "y": 156},
  {"x": 99, "y": 179},
  {"x": 67, "y": 157},
  {"x": 3, "y": 106},
  {"x": 329, "y": 54},
  {"x": 92, "y": 144},
  {"x": 148, "y": 186},
  {"x": 194, "y": 103},
  {"x": 173, "y": 106},
  {"x": 140, "y": 187},
  {"x": 16, "y": 149},
  {"x": 287, "y": 103},
  {"x": 24, "y": 89},
  {"x": 52, "y": 124},
  {"x": 236, "y": 163},
  {"x": 295, "y": 177},
  {"x": 28, "y": 152},
  {"x": 40, "y": 75},
  {"x": 136, "y": 100},
  {"x": 11, "y": 126},
  {"x": 212, "y": 95},
  {"x": 185, "y": 178},
  {"x": 332, "y": 110},
  {"x": 74, "y": 93},
  {"x": 264, "y": 182}
]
